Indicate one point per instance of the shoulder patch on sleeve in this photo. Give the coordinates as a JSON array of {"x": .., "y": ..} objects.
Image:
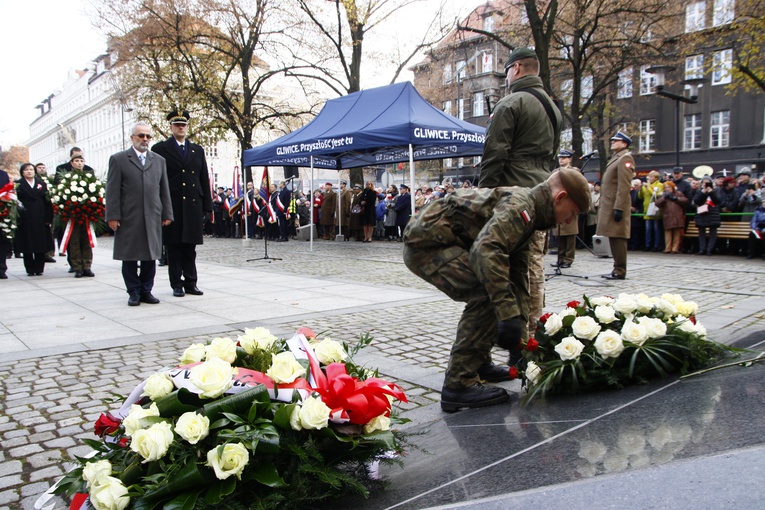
[
  {"x": 628, "y": 164},
  {"x": 526, "y": 217}
]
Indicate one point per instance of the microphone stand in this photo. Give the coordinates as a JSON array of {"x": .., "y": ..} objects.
[{"x": 265, "y": 246}]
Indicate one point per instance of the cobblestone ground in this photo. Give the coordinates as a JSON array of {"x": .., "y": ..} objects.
[{"x": 48, "y": 404}]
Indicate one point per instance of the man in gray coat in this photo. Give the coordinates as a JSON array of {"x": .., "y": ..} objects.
[{"x": 137, "y": 207}]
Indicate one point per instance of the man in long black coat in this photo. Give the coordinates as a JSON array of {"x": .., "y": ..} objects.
[{"x": 189, "y": 183}]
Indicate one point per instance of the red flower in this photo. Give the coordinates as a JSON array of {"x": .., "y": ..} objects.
[
  {"x": 532, "y": 344},
  {"x": 123, "y": 442},
  {"x": 573, "y": 304},
  {"x": 692, "y": 319},
  {"x": 106, "y": 424},
  {"x": 514, "y": 373},
  {"x": 544, "y": 318}
]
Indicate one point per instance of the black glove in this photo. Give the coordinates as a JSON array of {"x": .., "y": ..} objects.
[
  {"x": 509, "y": 333},
  {"x": 761, "y": 225},
  {"x": 618, "y": 215},
  {"x": 672, "y": 197}
]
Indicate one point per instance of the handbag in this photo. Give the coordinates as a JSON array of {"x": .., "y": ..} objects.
[
  {"x": 653, "y": 209},
  {"x": 357, "y": 209},
  {"x": 702, "y": 209}
]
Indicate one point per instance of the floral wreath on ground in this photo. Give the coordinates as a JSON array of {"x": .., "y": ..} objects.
[
  {"x": 9, "y": 211},
  {"x": 602, "y": 342},
  {"x": 78, "y": 199},
  {"x": 260, "y": 422}
]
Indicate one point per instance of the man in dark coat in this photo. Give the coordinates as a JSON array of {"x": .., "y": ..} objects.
[
  {"x": 403, "y": 208},
  {"x": 189, "y": 182},
  {"x": 137, "y": 207}
]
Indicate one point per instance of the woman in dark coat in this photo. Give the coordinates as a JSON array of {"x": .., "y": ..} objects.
[
  {"x": 368, "y": 217},
  {"x": 707, "y": 201},
  {"x": 672, "y": 203},
  {"x": 33, "y": 236}
]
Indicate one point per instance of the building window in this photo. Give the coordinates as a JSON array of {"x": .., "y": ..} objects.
[
  {"x": 212, "y": 151},
  {"x": 487, "y": 62},
  {"x": 448, "y": 107},
  {"x": 447, "y": 73},
  {"x": 647, "y": 135},
  {"x": 722, "y": 12},
  {"x": 722, "y": 64},
  {"x": 692, "y": 132},
  {"x": 478, "y": 104},
  {"x": 694, "y": 16},
  {"x": 694, "y": 67},
  {"x": 647, "y": 82},
  {"x": 461, "y": 65},
  {"x": 488, "y": 24},
  {"x": 586, "y": 88},
  {"x": 625, "y": 84},
  {"x": 720, "y": 129}
]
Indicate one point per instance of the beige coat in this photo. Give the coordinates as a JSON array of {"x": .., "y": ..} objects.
[{"x": 615, "y": 194}]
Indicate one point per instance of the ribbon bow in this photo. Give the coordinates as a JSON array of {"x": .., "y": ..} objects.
[{"x": 7, "y": 193}]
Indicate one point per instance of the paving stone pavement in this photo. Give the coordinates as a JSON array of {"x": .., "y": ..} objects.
[{"x": 49, "y": 403}]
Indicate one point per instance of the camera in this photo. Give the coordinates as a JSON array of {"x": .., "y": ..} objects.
[
  {"x": 751, "y": 186},
  {"x": 708, "y": 185}
]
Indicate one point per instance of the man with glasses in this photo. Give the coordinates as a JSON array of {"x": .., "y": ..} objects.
[
  {"x": 137, "y": 207},
  {"x": 521, "y": 144}
]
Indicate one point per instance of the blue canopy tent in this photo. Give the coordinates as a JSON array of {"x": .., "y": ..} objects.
[{"x": 390, "y": 124}]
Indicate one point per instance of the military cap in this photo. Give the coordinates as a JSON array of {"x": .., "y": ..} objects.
[
  {"x": 621, "y": 136},
  {"x": 76, "y": 155},
  {"x": 677, "y": 170},
  {"x": 178, "y": 117},
  {"x": 328, "y": 184},
  {"x": 357, "y": 186},
  {"x": 517, "y": 54},
  {"x": 745, "y": 171},
  {"x": 565, "y": 153},
  {"x": 344, "y": 182},
  {"x": 577, "y": 187},
  {"x": 403, "y": 186}
]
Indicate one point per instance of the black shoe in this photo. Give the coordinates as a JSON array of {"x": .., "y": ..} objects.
[
  {"x": 161, "y": 262},
  {"x": 613, "y": 276},
  {"x": 50, "y": 260},
  {"x": 78, "y": 274},
  {"x": 178, "y": 292},
  {"x": 88, "y": 273},
  {"x": 70, "y": 270},
  {"x": 561, "y": 264},
  {"x": 147, "y": 297},
  {"x": 474, "y": 396},
  {"x": 134, "y": 300},
  {"x": 490, "y": 372},
  {"x": 38, "y": 274},
  {"x": 3, "y": 276},
  {"x": 194, "y": 291}
]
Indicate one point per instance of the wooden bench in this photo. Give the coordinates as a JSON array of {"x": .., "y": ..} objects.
[{"x": 732, "y": 226}]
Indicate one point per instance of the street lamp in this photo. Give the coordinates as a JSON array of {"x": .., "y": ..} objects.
[{"x": 693, "y": 83}]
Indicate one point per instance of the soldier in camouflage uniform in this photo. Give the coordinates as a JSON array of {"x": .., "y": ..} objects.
[
  {"x": 474, "y": 246},
  {"x": 521, "y": 144}
]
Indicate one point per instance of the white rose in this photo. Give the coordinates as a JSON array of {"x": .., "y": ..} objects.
[
  {"x": 644, "y": 303},
  {"x": 634, "y": 333},
  {"x": 553, "y": 324},
  {"x": 92, "y": 199},
  {"x": 568, "y": 311},
  {"x": 295, "y": 419},
  {"x": 93, "y": 472},
  {"x": 701, "y": 330},
  {"x": 381, "y": 422},
  {"x": 223, "y": 348},
  {"x": 656, "y": 328},
  {"x": 687, "y": 308},
  {"x": 585, "y": 327},
  {"x": 314, "y": 414},
  {"x": 285, "y": 368},
  {"x": 605, "y": 314},
  {"x": 227, "y": 460},
  {"x": 665, "y": 306},
  {"x": 193, "y": 354},
  {"x": 533, "y": 372},
  {"x": 328, "y": 351},
  {"x": 609, "y": 344},
  {"x": 73, "y": 186},
  {"x": 75, "y": 199},
  {"x": 569, "y": 348},
  {"x": 675, "y": 299},
  {"x": 212, "y": 377},
  {"x": 152, "y": 443},
  {"x": 92, "y": 187},
  {"x": 158, "y": 386},
  {"x": 109, "y": 494},
  {"x": 256, "y": 337},
  {"x": 687, "y": 326},
  {"x": 601, "y": 301},
  {"x": 83, "y": 183},
  {"x": 132, "y": 422},
  {"x": 625, "y": 303},
  {"x": 193, "y": 427}
]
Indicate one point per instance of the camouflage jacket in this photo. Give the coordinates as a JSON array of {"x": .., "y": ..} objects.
[{"x": 494, "y": 226}]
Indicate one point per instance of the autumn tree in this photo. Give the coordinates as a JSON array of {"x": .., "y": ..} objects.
[
  {"x": 11, "y": 159},
  {"x": 209, "y": 57},
  {"x": 746, "y": 36}
]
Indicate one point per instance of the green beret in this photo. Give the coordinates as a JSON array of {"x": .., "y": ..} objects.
[
  {"x": 517, "y": 54},
  {"x": 577, "y": 187}
]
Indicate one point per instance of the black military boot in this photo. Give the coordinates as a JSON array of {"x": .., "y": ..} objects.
[{"x": 478, "y": 395}]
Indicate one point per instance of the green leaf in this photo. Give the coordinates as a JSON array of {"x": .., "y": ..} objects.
[
  {"x": 185, "y": 501},
  {"x": 237, "y": 403},
  {"x": 267, "y": 474},
  {"x": 177, "y": 403},
  {"x": 282, "y": 416}
]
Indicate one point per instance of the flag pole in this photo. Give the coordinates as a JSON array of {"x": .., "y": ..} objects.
[
  {"x": 312, "y": 206},
  {"x": 265, "y": 179}
]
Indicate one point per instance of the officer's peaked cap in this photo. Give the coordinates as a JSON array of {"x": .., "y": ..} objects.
[{"x": 621, "y": 136}]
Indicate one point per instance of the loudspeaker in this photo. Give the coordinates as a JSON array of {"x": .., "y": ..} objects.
[
  {"x": 601, "y": 247},
  {"x": 304, "y": 233},
  {"x": 291, "y": 171},
  {"x": 357, "y": 176}
]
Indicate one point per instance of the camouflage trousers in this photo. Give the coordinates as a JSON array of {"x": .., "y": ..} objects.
[
  {"x": 477, "y": 328},
  {"x": 537, "y": 249},
  {"x": 80, "y": 252}
]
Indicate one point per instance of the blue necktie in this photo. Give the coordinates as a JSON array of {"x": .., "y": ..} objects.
[{"x": 142, "y": 157}]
